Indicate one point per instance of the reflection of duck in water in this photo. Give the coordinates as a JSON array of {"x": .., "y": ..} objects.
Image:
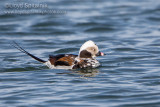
[
  {"x": 86, "y": 58},
  {"x": 88, "y": 72},
  {"x": 84, "y": 73}
]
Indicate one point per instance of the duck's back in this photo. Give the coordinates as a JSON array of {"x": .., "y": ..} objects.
[
  {"x": 62, "y": 61},
  {"x": 70, "y": 61}
]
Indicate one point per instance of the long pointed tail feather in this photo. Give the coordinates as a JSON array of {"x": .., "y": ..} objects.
[{"x": 24, "y": 51}]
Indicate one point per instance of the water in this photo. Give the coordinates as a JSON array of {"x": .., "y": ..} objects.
[{"x": 127, "y": 31}]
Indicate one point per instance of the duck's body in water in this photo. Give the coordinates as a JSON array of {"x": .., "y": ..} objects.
[{"x": 86, "y": 58}]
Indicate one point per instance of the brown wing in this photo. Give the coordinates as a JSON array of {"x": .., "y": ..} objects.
[{"x": 62, "y": 60}]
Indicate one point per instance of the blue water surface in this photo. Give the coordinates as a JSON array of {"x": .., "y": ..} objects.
[{"x": 128, "y": 31}]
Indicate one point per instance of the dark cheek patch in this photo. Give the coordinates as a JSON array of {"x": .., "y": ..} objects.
[{"x": 85, "y": 54}]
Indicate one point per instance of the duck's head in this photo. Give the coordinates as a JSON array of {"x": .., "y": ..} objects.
[{"x": 89, "y": 50}]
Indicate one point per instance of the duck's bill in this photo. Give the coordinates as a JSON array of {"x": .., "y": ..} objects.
[{"x": 100, "y": 54}]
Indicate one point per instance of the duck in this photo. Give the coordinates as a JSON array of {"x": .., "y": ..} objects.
[{"x": 85, "y": 59}]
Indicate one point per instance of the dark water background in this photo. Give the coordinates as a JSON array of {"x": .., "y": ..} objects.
[{"x": 127, "y": 30}]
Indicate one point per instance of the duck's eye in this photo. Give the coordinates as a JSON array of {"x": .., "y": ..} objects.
[{"x": 94, "y": 49}]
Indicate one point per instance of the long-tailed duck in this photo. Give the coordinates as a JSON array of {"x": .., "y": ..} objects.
[{"x": 86, "y": 58}]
